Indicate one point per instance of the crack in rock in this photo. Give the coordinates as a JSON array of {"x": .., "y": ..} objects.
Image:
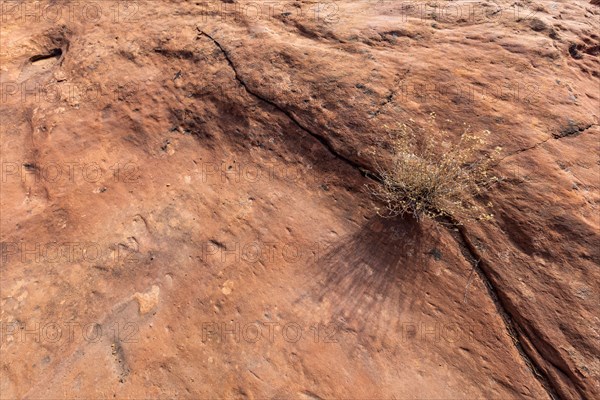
[
  {"x": 512, "y": 325},
  {"x": 570, "y": 131},
  {"x": 322, "y": 139}
]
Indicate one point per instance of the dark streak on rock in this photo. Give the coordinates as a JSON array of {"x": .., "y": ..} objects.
[{"x": 322, "y": 139}]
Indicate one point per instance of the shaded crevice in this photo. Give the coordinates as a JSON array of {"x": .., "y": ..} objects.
[
  {"x": 572, "y": 130},
  {"x": 513, "y": 327},
  {"x": 54, "y": 53},
  {"x": 322, "y": 139},
  {"x": 176, "y": 54}
]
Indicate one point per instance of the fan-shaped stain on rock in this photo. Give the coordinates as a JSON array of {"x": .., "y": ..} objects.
[{"x": 365, "y": 278}]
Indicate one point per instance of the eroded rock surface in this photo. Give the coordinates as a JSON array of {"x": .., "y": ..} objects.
[{"x": 184, "y": 213}]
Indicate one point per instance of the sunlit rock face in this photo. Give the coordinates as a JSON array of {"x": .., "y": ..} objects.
[{"x": 185, "y": 211}]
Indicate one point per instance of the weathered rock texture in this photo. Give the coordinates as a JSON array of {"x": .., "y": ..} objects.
[{"x": 184, "y": 213}]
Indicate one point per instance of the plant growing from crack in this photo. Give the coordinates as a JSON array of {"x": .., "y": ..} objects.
[{"x": 429, "y": 177}]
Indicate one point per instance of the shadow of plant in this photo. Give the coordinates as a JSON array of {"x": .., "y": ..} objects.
[{"x": 370, "y": 277}]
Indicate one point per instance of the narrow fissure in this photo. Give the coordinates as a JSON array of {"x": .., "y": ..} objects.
[
  {"x": 512, "y": 327},
  {"x": 563, "y": 134},
  {"x": 322, "y": 139}
]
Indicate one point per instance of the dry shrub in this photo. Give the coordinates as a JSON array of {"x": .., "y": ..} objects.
[{"x": 428, "y": 177}]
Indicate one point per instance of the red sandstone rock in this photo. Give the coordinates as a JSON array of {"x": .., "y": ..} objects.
[{"x": 184, "y": 213}]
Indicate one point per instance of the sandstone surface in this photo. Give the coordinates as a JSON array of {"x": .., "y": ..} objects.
[{"x": 184, "y": 212}]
